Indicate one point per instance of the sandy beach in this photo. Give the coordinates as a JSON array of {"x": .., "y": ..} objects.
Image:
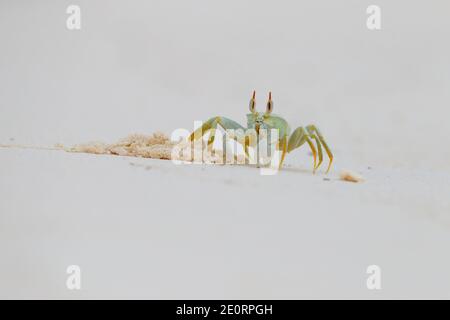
[{"x": 147, "y": 228}]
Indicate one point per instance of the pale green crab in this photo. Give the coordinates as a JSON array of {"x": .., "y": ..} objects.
[{"x": 266, "y": 120}]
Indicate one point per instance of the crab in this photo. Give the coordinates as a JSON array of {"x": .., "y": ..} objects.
[{"x": 256, "y": 121}]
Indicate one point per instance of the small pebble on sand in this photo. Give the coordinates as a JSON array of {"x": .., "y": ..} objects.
[{"x": 347, "y": 175}]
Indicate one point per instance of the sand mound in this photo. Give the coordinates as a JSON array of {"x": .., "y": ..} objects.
[{"x": 156, "y": 146}]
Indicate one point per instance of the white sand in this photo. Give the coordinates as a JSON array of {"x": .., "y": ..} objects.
[{"x": 149, "y": 229}]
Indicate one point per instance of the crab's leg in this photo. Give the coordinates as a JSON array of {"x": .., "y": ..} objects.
[
  {"x": 319, "y": 147},
  {"x": 211, "y": 125},
  {"x": 298, "y": 138},
  {"x": 197, "y": 134},
  {"x": 313, "y": 129},
  {"x": 283, "y": 147}
]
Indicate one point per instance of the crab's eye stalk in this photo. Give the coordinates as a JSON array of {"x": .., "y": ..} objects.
[
  {"x": 252, "y": 104},
  {"x": 269, "y": 107}
]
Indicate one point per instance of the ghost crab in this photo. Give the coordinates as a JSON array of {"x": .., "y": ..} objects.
[{"x": 266, "y": 120}]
